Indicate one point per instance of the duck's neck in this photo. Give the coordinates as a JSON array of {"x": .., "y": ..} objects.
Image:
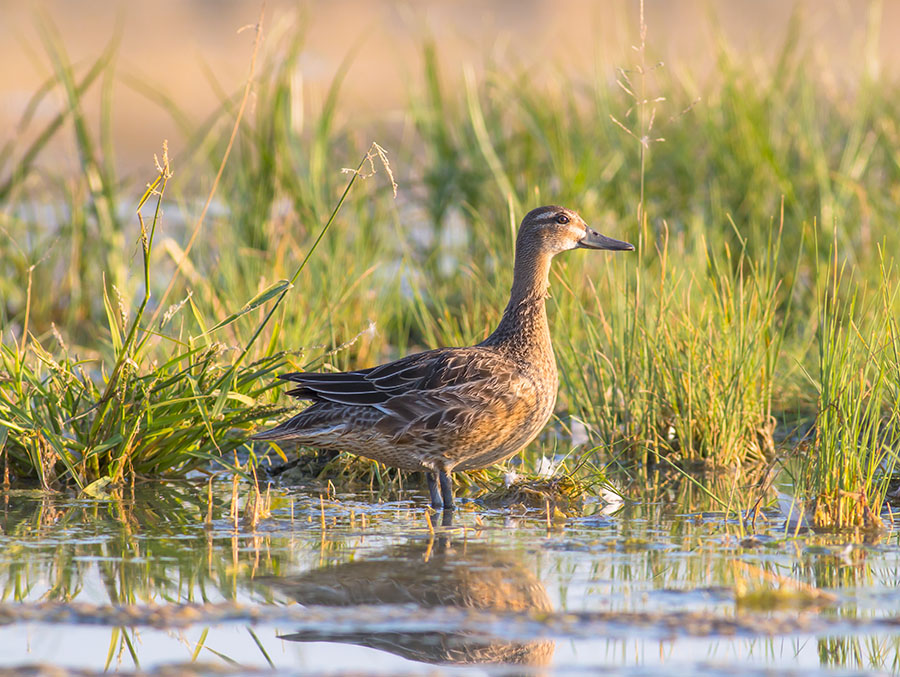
[{"x": 524, "y": 327}]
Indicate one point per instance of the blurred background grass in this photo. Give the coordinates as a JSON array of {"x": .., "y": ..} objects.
[{"x": 193, "y": 50}]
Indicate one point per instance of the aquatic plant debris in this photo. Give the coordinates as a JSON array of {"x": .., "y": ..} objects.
[
  {"x": 560, "y": 493},
  {"x": 758, "y": 589}
]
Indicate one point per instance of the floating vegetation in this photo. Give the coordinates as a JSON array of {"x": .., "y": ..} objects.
[
  {"x": 559, "y": 496},
  {"x": 759, "y": 590}
]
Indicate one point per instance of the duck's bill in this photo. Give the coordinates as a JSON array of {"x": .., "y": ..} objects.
[{"x": 594, "y": 240}]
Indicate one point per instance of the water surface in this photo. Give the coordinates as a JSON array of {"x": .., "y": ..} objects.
[{"x": 157, "y": 578}]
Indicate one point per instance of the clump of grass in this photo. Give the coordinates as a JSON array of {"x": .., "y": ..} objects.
[
  {"x": 58, "y": 425},
  {"x": 715, "y": 364},
  {"x": 62, "y": 423},
  {"x": 857, "y": 432},
  {"x": 140, "y": 417},
  {"x": 681, "y": 364}
]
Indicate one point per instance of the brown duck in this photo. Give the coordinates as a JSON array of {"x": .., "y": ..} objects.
[{"x": 453, "y": 408}]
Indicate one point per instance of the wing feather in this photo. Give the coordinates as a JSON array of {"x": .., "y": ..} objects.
[{"x": 404, "y": 385}]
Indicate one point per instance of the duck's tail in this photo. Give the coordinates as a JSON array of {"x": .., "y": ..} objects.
[{"x": 298, "y": 429}]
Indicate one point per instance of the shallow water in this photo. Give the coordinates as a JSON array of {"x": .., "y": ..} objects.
[{"x": 145, "y": 581}]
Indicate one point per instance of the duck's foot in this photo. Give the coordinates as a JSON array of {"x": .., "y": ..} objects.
[
  {"x": 436, "y": 501},
  {"x": 446, "y": 489}
]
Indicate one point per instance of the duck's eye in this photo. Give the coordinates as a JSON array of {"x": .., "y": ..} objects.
[{"x": 562, "y": 218}]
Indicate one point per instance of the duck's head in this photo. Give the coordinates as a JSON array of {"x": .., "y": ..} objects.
[{"x": 555, "y": 229}]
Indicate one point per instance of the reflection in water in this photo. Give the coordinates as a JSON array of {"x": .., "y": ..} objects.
[
  {"x": 429, "y": 574},
  {"x": 131, "y": 548}
]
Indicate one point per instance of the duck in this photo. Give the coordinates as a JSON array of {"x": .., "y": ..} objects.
[{"x": 453, "y": 408}]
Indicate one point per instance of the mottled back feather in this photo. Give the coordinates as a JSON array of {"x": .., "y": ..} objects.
[{"x": 440, "y": 369}]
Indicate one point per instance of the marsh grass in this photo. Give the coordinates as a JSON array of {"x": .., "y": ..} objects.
[
  {"x": 684, "y": 353},
  {"x": 161, "y": 397},
  {"x": 142, "y": 418},
  {"x": 684, "y": 362},
  {"x": 62, "y": 423},
  {"x": 853, "y": 454}
]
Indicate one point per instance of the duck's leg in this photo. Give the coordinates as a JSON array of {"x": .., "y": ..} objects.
[
  {"x": 446, "y": 489},
  {"x": 436, "y": 502}
]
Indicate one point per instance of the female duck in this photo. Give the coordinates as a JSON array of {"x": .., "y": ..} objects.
[{"x": 453, "y": 408}]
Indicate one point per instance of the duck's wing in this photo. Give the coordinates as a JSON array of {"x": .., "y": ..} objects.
[
  {"x": 427, "y": 374},
  {"x": 427, "y": 400}
]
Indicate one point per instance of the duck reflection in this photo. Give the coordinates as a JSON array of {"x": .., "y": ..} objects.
[{"x": 429, "y": 574}]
